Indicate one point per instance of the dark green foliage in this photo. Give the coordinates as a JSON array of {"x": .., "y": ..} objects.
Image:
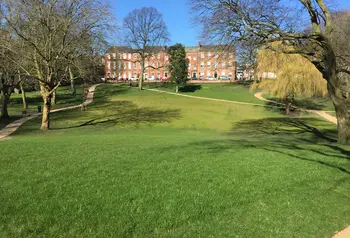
[{"x": 178, "y": 64}]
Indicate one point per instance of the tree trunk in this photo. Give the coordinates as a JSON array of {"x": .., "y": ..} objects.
[
  {"x": 24, "y": 98},
  {"x": 141, "y": 78},
  {"x": 341, "y": 110},
  {"x": 4, "y": 102},
  {"x": 177, "y": 88},
  {"x": 45, "y": 120},
  {"x": 287, "y": 103},
  {"x": 53, "y": 99},
  {"x": 72, "y": 83}
]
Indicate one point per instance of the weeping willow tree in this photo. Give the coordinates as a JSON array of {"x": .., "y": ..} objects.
[{"x": 287, "y": 76}]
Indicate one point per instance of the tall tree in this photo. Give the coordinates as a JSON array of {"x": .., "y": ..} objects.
[
  {"x": 306, "y": 25},
  {"x": 294, "y": 76},
  {"x": 53, "y": 31},
  {"x": 178, "y": 65},
  {"x": 146, "y": 33}
]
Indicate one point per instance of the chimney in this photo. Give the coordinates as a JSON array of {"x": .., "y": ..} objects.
[{"x": 199, "y": 44}]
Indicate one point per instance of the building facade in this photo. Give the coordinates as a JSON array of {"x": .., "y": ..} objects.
[{"x": 206, "y": 62}]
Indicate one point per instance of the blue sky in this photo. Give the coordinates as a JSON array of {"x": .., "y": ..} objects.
[{"x": 176, "y": 16}]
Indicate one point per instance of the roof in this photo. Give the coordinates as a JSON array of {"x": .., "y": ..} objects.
[{"x": 188, "y": 49}]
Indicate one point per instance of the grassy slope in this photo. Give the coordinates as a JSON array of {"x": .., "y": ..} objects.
[
  {"x": 64, "y": 98},
  {"x": 148, "y": 164},
  {"x": 233, "y": 92},
  {"x": 240, "y": 92}
]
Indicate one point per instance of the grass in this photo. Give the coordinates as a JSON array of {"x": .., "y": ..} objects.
[
  {"x": 147, "y": 164},
  {"x": 232, "y": 92},
  {"x": 64, "y": 99}
]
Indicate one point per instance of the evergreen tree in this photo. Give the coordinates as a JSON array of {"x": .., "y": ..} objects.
[{"x": 178, "y": 65}]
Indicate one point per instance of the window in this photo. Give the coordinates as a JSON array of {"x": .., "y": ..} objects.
[
  {"x": 216, "y": 65},
  {"x": 129, "y": 65},
  {"x": 134, "y": 65},
  {"x": 202, "y": 55},
  {"x": 223, "y": 74},
  {"x": 114, "y": 65},
  {"x": 129, "y": 75},
  {"x": 202, "y": 74},
  {"x": 209, "y": 55},
  {"x": 108, "y": 56},
  {"x": 208, "y": 74},
  {"x": 109, "y": 65},
  {"x": 134, "y": 75},
  {"x": 146, "y": 64},
  {"x": 152, "y": 75},
  {"x": 216, "y": 56},
  {"x": 223, "y": 65},
  {"x": 124, "y": 56},
  {"x": 224, "y": 55},
  {"x": 158, "y": 56},
  {"x": 129, "y": 56},
  {"x": 202, "y": 64},
  {"x": 189, "y": 57},
  {"x": 194, "y": 57},
  {"x": 153, "y": 64},
  {"x": 158, "y": 75},
  {"x": 208, "y": 64},
  {"x": 114, "y": 55},
  {"x": 135, "y": 55},
  {"x": 231, "y": 55},
  {"x": 158, "y": 64},
  {"x": 189, "y": 66},
  {"x": 166, "y": 57}
]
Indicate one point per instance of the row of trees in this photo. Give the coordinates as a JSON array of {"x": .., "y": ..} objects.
[
  {"x": 308, "y": 27},
  {"x": 51, "y": 41}
]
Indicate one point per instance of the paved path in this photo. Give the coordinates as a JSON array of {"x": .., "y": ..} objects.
[
  {"x": 321, "y": 113},
  {"x": 12, "y": 127},
  {"x": 343, "y": 233}
]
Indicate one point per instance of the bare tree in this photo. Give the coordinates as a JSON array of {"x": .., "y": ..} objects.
[
  {"x": 266, "y": 21},
  {"x": 146, "y": 33},
  {"x": 53, "y": 31}
]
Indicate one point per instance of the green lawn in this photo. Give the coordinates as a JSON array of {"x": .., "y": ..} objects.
[
  {"x": 147, "y": 164},
  {"x": 64, "y": 98},
  {"x": 232, "y": 92}
]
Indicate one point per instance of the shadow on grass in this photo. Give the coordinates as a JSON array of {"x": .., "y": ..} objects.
[
  {"x": 295, "y": 138},
  {"x": 5, "y": 121},
  {"x": 118, "y": 113},
  {"x": 190, "y": 88},
  {"x": 103, "y": 92},
  {"x": 315, "y": 103}
]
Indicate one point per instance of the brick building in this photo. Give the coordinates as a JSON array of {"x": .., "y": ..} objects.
[{"x": 206, "y": 62}]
